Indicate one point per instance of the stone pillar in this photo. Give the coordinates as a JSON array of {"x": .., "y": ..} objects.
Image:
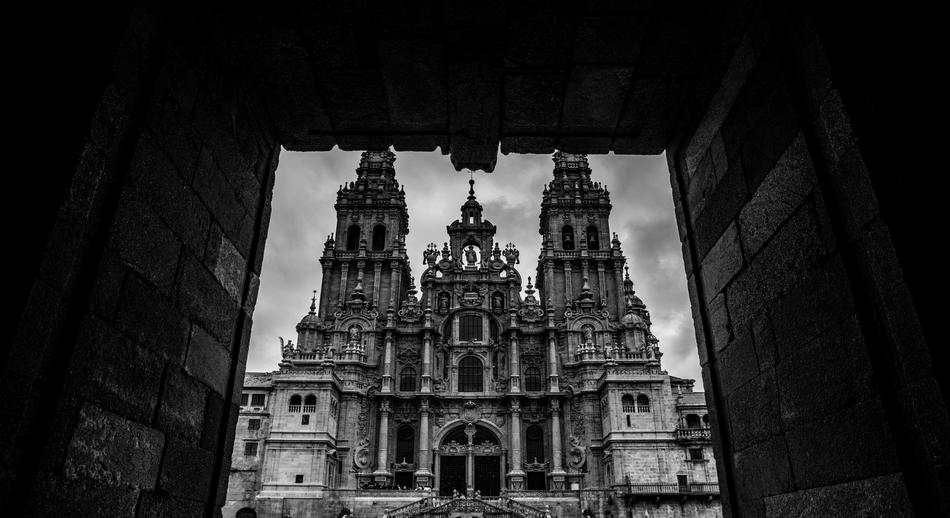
[
  {"x": 568, "y": 283},
  {"x": 394, "y": 283},
  {"x": 423, "y": 474},
  {"x": 344, "y": 273},
  {"x": 516, "y": 475},
  {"x": 382, "y": 475},
  {"x": 426, "y": 363},
  {"x": 618, "y": 288},
  {"x": 470, "y": 461},
  {"x": 514, "y": 361},
  {"x": 377, "y": 270},
  {"x": 387, "y": 382},
  {"x": 553, "y": 378},
  {"x": 557, "y": 471}
]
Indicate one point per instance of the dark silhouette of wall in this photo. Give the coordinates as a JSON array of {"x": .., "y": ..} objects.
[{"x": 134, "y": 289}]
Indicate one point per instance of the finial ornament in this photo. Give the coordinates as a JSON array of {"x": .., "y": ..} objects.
[{"x": 313, "y": 302}]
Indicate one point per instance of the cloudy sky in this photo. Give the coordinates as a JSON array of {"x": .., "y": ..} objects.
[{"x": 303, "y": 216}]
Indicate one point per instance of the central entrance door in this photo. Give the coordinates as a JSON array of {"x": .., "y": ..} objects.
[
  {"x": 488, "y": 475},
  {"x": 451, "y": 475},
  {"x": 470, "y": 458}
]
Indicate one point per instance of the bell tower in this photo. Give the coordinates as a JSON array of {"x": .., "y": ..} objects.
[
  {"x": 579, "y": 256},
  {"x": 367, "y": 253}
]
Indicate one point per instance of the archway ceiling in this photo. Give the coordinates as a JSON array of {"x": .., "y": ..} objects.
[{"x": 470, "y": 77}]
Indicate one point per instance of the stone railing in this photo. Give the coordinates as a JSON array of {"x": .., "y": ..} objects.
[
  {"x": 310, "y": 409},
  {"x": 668, "y": 489},
  {"x": 417, "y": 507},
  {"x": 693, "y": 434}
]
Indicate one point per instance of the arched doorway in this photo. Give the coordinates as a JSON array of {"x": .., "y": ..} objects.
[{"x": 470, "y": 459}]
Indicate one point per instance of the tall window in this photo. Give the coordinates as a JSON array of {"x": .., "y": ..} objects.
[
  {"x": 379, "y": 237},
  {"x": 310, "y": 404},
  {"x": 567, "y": 237},
  {"x": 593, "y": 238},
  {"x": 534, "y": 444},
  {"x": 253, "y": 424},
  {"x": 250, "y": 449},
  {"x": 532, "y": 379},
  {"x": 470, "y": 374},
  {"x": 627, "y": 403},
  {"x": 353, "y": 237},
  {"x": 643, "y": 403},
  {"x": 295, "y": 402},
  {"x": 257, "y": 399},
  {"x": 407, "y": 379},
  {"x": 244, "y": 397},
  {"x": 405, "y": 444},
  {"x": 470, "y": 328}
]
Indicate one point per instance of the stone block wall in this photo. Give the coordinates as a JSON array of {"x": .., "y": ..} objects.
[
  {"x": 147, "y": 290},
  {"x": 807, "y": 372}
]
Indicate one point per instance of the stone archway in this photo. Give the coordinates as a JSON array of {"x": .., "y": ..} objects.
[{"x": 470, "y": 460}]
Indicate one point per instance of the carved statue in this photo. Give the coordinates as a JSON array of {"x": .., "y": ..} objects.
[
  {"x": 286, "y": 349},
  {"x": 354, "y": 333},
  {"x": 470, "y": 256},
  {"x": 443, "y": 303},
  {"x": 588, "y": 334}
]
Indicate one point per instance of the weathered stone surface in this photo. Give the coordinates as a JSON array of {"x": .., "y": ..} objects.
[
  {"x": 876, "y": 496},
  {"x": 722, "y": 262},
  {"x": 205, "y": 357},
  {"x": 113, "y": 450}
]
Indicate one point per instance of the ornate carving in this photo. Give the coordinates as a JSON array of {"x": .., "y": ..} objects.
[
  {"x": 361, "y": 454},
  {"x": 577, "y": 454}
]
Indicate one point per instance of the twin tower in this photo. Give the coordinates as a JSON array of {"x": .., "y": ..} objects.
[{"x": 465, "y": 385}]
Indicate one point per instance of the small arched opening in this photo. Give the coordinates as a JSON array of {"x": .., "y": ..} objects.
[
  {"x": 379, "y": 237},
  {"x": 353, "y": 237}
]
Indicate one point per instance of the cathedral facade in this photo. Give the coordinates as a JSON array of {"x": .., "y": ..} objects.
[{"x": 465, "y": 386}]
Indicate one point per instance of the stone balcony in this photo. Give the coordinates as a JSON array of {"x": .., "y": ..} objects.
[{"x": 693, "y": 434}]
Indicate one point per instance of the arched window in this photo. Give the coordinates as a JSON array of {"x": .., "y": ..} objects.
[
  {"x": 246, "y": 512},
  {"x": 407, "y": 379},
  {"x": 532, "y": 379},
  {"x": 627, "y": 403},
  {"x": 405, "y": 444},
  {"x": 353, "y": 237},
  {"x": 643, "y": 403},
  {"x": 310, "y": 403},
  {"x": 295, "y": 402},
  {"x": 379, "y": 237},
  {"x": 567, "y": 237},
  {"x": 534, "y": 444},
  {"x": 470, "y": 328},
  {"x": 470, "y": 375},
  {"x": 593, "y": 238},
  {"x": 706, "y": 420},
  {"x": 692, "y": 421}
]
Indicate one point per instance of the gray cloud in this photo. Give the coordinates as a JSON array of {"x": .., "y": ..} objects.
[{"x": 303, "y": 216}]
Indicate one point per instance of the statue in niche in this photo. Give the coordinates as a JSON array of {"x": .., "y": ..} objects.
[
  {"x": 588, "y": 331},
  {"x": 354, "y": 334},
  {"x": 497, "y": 302},
  {"x": 443, "y": 303},
  {"x": 470, "y": 256}
]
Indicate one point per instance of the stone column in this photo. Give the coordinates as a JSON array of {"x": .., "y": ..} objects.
[
  {"x": 344, "y": 272},
  {"x": 377, "y": 269},
  {"x": 553, "y": 377},
  {"x": 568, "y": 283},
  {"x": 387, "y": 382},
  {"x": 618, "y": 288},
  {"x": 514, "y": 360},
  {"x": 426, "y": 363},
  {"x": 394, "y": 283},
  {"x": 557, "y": 470},
  {"x": 423, "y": 474},
  {"x": 516, "y": 475},
  {"x": 382, "y": 475},
  {"x": 470, "y": 461}
]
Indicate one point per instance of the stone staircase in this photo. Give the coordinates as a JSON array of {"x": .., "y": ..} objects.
[{"x": 435, "y": 506}]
